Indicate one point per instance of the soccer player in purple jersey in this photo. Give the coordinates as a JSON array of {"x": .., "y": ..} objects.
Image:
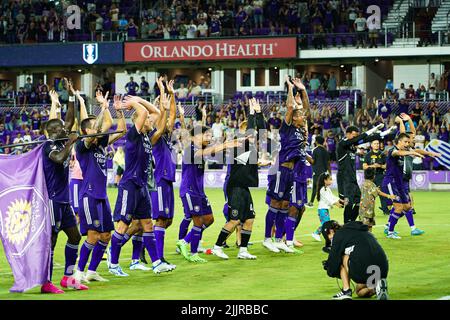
[
  {"x": 165, "y": 167},
  {"x": 406, "y": 176},
  {"x": 133, "y": 200},
  {"x": 56, "y": 169},
  {"x": 195, "y": 202},
  {"x": 242, "y": 174},
  {"x": 393, "y": 182},
  {"x": 95, "y": 212},
  {"x": 293, "y": 141}
]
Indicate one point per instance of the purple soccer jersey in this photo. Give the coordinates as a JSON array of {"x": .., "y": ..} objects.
[
  {"x": 292, "y": 140},
  {"x": 331, "y": 143},
  {"x": 300, "y": 172},
  {"x": 165, "y": 159},
  {"x": 93, "y": 166},
  {"x": 394, "y": 167},
  {"x": 56, "y": 175},
  {"x": 138, "y": 150},
  {"x": 192, "y": 171}
]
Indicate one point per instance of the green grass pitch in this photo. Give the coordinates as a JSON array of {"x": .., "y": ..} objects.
[{"x": 418, "y": 265}]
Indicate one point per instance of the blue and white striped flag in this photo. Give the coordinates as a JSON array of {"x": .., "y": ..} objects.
[{"x": 443, "y": 148}]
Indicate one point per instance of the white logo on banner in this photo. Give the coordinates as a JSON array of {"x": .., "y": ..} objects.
[{"x": 90, "y": 52}]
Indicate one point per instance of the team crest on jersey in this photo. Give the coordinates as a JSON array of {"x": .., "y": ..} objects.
[
  {"x": 128, "y": 216},
  {"x": 299, "y": 202},
  {"x": 280, "y": 194},
  {"x": 96, "y": 223},
  {"x": 196, "y": 208},
  {"x": 167, "y": 210},
  {"x": 234, "y": 213}
]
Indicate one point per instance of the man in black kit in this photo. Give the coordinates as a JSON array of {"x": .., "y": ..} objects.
[
  {"x": 320, "y": 164},
  {"x": 346, "y": 177}
]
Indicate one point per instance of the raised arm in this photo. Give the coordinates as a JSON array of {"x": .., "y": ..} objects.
[
  {"x": 56, "y": 105},
  {"x": 161, "y": 123},
  {"x": 61, "y": 156},
  {"x": 289, "y": 102},
  {"x": 304, "y": 94},
  {"x": 82, "y": 104},
  {"x": 173, "y": 108},
  {"x": 70, "y": 115},
  {"x": 181, "y": 113},
  {"x": 230, "y": 144},
  {"x": 121, "y": 123},
  {"x": 141, "y": 111},
  {"x": 105, "y": 120}
]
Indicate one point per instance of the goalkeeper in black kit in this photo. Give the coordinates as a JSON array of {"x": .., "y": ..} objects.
[{"x": 242, "y": 174}]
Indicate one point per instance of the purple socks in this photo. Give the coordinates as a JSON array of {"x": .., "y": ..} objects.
[
  {"x": 409, "y": 217},
  {"x": 184, "y": 226},
  {"x": 138, "y": 244},
  {"x": 160, "y": 233},
  {"x": 280, "y": 221},
  {"x": 116, "y": 246},
  {"x": 289, "y": 226},
  {"x": 150, "y": 245},
  {"x": 270, "y": 221},
  {"x": 196, "y": 235},
  {"x": 97, "y": 255},
  {"x": 71, "y": 254},
  {"x": 85, "y": 252},
  {"x": 393, "y": 219}
]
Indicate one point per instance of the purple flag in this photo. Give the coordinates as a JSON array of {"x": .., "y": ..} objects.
[{"x": 25, "y": 227}]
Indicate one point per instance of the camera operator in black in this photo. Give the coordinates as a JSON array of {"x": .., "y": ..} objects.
[
  {"x": 356, "y": 255},
  {"x": 346, "y": 176}
]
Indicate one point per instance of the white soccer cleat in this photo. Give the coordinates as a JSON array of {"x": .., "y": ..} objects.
[
  {"x": 218, "y": 251},
  {"x": 316, "y": 236},
  {"x": 269, "y": 245},
  {"x": 94, "y": 276},
  {"x": 283, "y": 247},
  {"x": 392, "y": 235},
  {"x": 137, "y": 265},
  {"x": 245, "y": 255},
  {"x": 117, "y": 271},
  {"x": 162, "y": 267},
  {"x": 80, "y": 276}
]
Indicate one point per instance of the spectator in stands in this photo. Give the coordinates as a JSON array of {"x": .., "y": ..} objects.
[
  {"x": 348, "y": 83},
  {"x": 215, "y": 27},
  {"x": 360, "y": 27},
  {"x": 446, "y": 119},
  {"x": 433, "y": 114},
  {"x": 151, "y": 27},
  {"x": 5, "y": 135},
  {"x": 403, "y": 107},
  {"x": 374, "y": 26},
  {"x": 18, "y": 139},
  {"x": 145, "y": 87},
  {"x": 21, "y": 97},
  {"x": 227, "y": 23},
  {"x": 218, "y": 129},
  {"x": 401, "y": 92},
  {"x": 28, "y": 87},
  {"x": 241, "y": 19},
  {"x": 132, "y": 30},
  {"x": 258, "y": 12},
  {"x": 131, "y": 87},
  {"x": 332, "y": 86},
  {"x": 411, "y": 93},
  {"x": 275, "y": 121},
  {"x": 352, "y": 15},
  {"x": 191, "y": 30},
  {"x": 181, "y": 92},
  {"x": 123, "y": 23},
  {"x": 99, "y": 87},
  {"x": 336, "y": 119},
  {"x": 389, "y": 88},
  {"x": 443, "y": 134},
  {"x": 319, "y": 37},
  {"x": 98, "y": 27},
  {"x": 43, "y": 91},
  {"x": 314, "y": 83},
  {"x": 432, "y": 82},
  {"x": 384, "y": 109},
  {"x": 196, "y": 89},
  {"x": 416, "y": 113},
  {"x": 202, "y": 29}
]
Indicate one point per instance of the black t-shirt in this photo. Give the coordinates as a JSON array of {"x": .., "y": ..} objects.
[
  {"x": 321, "y": 158},
  {"x": 375, "y": 157}
]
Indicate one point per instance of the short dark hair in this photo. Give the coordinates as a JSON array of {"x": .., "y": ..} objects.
[
  {"x": 351, "y": 129},
  {"x": 86, "y": 124},
  {"x": 197, "y": 129},
  {"x": 369, "y": 174},
  {"x": 327, "y": 227},
  {"x": 401, "y": 136},
  {"x": 320, "y": 140},
  {"x": 51, "y": 121}
]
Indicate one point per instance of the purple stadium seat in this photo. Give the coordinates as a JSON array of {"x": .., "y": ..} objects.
[
  {"x": 249, "y": 94},
  {"x": 259, "y": 95},
  {"x": 237, "y": 95}
]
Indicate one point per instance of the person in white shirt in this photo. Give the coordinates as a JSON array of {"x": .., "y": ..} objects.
[
  {"x": 374, "y": 25},
  {"x": 217, "y": 129},
  {"x": 196, "y": 89},
  {"x": 18, "y": 139},
  {"x": 360, "y": 27},
  {"x": 326, "y": 200},
  {"x": 203, "y": 30},
  {"x": 181, "y": 92},
  {"x": 401, "y": 92},
  {"x": 191, "y": 30}
]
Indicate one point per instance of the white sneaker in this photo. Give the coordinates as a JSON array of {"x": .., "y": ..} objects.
[
  {"x": 80, "y": 276},
  {"x": 137, "y": 265},
  {"x": 316, "y": 236},
  {"x": 392, "y": 235},
  {"x": 218, "y": 251},
  {"x": 201, "y": 249},
  {"x": 162, "y": 267},
  {"x": 94, "y": 276},
  {"x": 245, "y": 255},
  {"x": 282, "y": 246},
  {"x": 117, "y": 271},
  {"x": 268, "y": 244}
]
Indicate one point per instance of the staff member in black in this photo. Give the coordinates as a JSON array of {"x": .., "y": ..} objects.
[
  {"x": 346, "y": 176},
  {"x": 375, "y": 159},
  {"x": 320, "y": 164},
  {"x": 356, "y": 255}
]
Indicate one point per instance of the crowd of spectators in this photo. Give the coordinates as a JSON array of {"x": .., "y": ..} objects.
[{"x": 31, "y": 21}]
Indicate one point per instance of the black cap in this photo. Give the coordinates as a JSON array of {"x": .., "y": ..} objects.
[{"x": 327, "y": 226}]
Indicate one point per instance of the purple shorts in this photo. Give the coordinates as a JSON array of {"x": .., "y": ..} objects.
[
  {"x": 62, "y": 216},
  {"x": 133, "y": 202},
  {"x": 195, "y": 206},
  {"x": 401, "y": 191},
  {"x": 163, "y": 200},
  {"x": 299, "y": 195},
  {"x": 75, "y": 185},
  {"x": 280, "y": 184},
  {"x": 95, "y": 214}
]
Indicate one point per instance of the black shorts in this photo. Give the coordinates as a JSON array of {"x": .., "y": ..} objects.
[
  {"x": 240, "y": 204},
  {"x": 119, "y": 171}
]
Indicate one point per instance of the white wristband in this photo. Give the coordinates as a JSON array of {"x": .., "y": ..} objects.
[{"x": 71, "y": 98}]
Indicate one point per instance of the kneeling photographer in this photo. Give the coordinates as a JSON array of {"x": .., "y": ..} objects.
[{"x": 356, "y": 255}]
